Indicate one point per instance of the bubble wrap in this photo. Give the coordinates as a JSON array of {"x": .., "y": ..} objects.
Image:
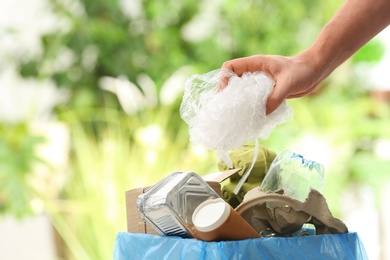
[{"x": 225, "y": 120}]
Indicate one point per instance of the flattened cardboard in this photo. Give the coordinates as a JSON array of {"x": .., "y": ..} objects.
[{"x": 136, "y": 224}]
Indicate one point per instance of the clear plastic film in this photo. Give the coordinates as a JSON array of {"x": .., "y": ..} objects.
[
  {"x": 294, "y": 174},
  {"x": 225, "y": 119}
]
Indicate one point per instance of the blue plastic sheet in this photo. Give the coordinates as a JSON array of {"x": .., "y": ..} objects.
[{"x": 145, "y": 246}]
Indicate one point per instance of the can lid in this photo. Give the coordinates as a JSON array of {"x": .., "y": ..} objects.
[{"x": 210, "y": 214}]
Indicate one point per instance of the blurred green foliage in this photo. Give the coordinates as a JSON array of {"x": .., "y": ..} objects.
[
  {"x": 17, "y": 159},
  {"x": 372, "y": 52},
  {"x": 105, "y": 38}
]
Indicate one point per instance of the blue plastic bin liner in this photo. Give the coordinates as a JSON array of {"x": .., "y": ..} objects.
[{"x": 144, "y": 246}]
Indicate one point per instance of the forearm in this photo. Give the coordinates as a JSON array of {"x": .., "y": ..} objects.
[{"x": 351, "y": 27}]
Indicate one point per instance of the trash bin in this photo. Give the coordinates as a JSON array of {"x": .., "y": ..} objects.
[{"x": 330, "y": 246}]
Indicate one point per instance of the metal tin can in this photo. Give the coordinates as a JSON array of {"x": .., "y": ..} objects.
[{"x": 169, "y": 204}]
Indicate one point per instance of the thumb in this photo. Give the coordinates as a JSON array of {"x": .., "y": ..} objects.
[{"x": 274, "y": 100}]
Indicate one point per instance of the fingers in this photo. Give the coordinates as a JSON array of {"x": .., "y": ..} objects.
[
  {"x": 237, "y": 66},
  {"x": 252, "y": 64},
  {"x": 224, "y": 76},
  {"x": 293, "y": 78},
  {"x": 273, "y": 102}
]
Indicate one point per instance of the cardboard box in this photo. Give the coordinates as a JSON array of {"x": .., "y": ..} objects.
[{"x": 135, "y": 224}]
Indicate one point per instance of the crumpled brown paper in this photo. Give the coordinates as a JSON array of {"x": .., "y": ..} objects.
[{"x": 286, "y": 215}]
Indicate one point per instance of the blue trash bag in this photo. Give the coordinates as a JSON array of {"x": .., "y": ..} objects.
[{"x": 145, "y": 246}]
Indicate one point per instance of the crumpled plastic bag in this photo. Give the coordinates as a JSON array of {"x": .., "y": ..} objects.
[{"x": 225, "y": 120}]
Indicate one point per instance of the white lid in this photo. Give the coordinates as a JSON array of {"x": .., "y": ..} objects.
[{"x": 210, "y": 214}]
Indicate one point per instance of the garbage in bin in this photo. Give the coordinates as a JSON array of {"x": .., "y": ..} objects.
[
  {"x": 288, "y": 215},
  {"x": 178, "y": 204},
  {"x": 287, "y": 198}
]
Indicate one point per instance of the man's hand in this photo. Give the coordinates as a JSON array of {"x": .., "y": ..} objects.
[{"x": 293, "y": 76}]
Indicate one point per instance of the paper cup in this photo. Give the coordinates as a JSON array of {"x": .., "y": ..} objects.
[{"x": 216, "y": 220}]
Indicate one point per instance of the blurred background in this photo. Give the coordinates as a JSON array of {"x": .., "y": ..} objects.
[{"x": 89, "y": 108}]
